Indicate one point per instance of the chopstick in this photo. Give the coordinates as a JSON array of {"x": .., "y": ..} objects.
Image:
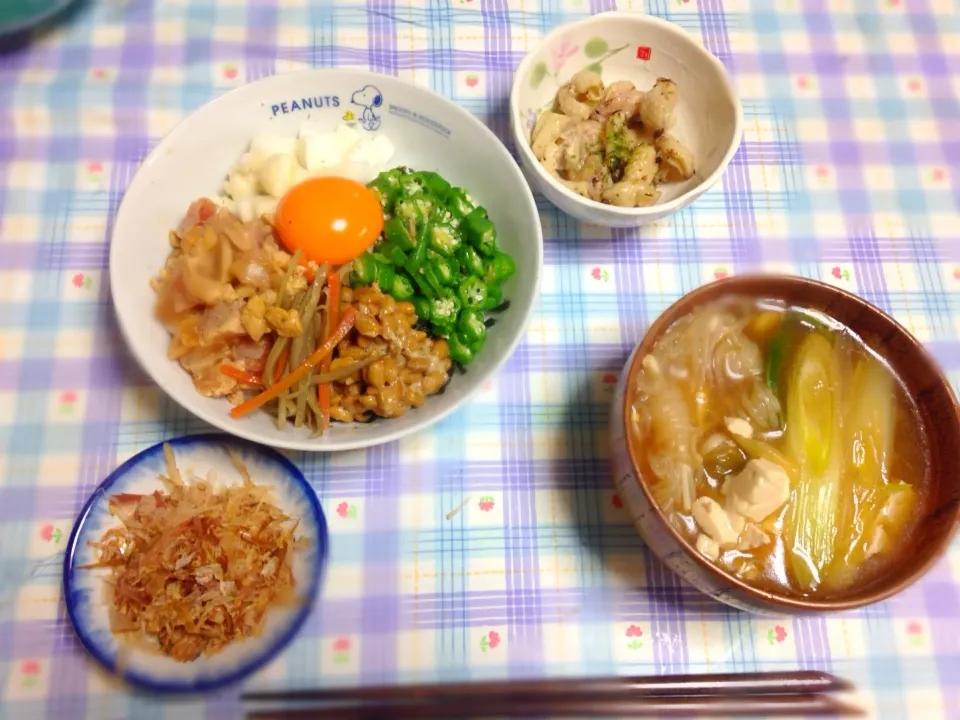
[
  {"x": 769, "y": 706},
  {"x": 774, "y": 683},
  {"x": 734, "y": 694}
]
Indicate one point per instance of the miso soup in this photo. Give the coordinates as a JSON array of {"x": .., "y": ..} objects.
[{"x": 781, "y": 445}]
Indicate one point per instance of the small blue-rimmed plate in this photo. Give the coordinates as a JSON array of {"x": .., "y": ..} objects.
[{"x": 87, "y": 599}]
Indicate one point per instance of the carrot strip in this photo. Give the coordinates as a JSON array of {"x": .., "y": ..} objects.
[
  {"x": 323, "y": 397},
  {"x": 298, "y": 373},
  {"x": 333, "y": 302},
  {"x": 243, "y": 376}
]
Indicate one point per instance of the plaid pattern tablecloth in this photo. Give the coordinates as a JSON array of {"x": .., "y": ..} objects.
[{"x": 849, "y": 171}]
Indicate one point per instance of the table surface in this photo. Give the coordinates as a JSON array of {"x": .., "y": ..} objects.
[{"x": 849, "y": 172}]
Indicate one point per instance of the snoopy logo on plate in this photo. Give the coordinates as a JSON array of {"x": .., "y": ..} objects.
[{"x": 368, "y": 97}]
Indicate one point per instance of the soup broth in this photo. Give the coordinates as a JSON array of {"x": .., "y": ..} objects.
[{"x": 781, "y": 445}]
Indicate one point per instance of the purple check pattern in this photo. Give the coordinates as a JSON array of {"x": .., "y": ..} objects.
[{"x": 849, "y": 172}]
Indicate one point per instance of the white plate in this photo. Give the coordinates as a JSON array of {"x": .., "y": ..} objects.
[
  {"x": 85, "y": 595},
  {"x": 429, "y": 132}
]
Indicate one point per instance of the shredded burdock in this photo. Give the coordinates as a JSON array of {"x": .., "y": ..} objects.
[{"x": 197, "y": 567}]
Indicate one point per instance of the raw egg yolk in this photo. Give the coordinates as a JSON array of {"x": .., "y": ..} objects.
[{"x": 331, "y": 219}]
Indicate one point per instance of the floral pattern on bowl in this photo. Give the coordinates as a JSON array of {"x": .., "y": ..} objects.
[{"x": 595, "y": 51}]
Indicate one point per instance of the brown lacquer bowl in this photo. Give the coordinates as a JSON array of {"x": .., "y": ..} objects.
[{"x": 924, "y": 381}]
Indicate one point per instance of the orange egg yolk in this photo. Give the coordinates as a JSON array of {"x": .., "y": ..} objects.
[{"x": 331, "y": 219}]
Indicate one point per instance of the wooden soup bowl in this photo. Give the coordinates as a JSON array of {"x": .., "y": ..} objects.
[{"x": 917, "y": 370}]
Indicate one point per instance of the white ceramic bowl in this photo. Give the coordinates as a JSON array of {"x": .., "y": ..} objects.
[
  {"x": 429, "y": 132},
  {"x": 639, "y": 48}
]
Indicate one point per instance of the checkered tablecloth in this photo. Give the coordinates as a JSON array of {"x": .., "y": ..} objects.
[{"x": 849, "y": 172}]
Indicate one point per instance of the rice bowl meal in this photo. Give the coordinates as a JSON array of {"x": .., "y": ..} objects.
[
  {"x": 386, "y": 207},
  {"x": 317, "y": 298}
]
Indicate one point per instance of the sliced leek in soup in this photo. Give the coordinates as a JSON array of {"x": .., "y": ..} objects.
[{"x": 781, "y": 445}]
